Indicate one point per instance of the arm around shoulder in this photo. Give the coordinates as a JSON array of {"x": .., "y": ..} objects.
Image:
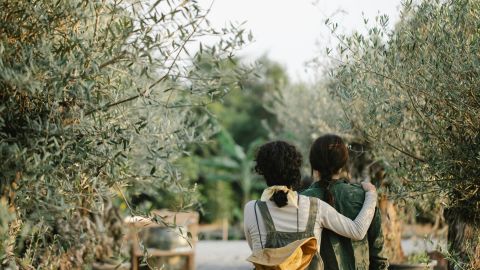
[{"x": 354, "y": 229}]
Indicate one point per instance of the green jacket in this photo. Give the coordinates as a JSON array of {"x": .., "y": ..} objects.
[{"x": 340, "y": 253}]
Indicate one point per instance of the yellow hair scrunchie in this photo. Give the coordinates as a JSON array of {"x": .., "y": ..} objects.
[{"x": 291, "y": 195}]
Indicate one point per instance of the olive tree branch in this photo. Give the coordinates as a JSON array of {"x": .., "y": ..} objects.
[
  {"x": 368, "y": 137},
  {"x": 402, "y": 85},
  {"x": 149, "y": 89}
]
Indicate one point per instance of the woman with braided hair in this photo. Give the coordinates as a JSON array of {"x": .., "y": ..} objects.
[
  {"x": 328, "y": 156},
  {"x": 282, "y": 216}
]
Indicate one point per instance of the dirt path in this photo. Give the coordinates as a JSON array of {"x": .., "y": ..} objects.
[
  {"x": 231, "y": 255},
  {"x": 222, "y": 255}
]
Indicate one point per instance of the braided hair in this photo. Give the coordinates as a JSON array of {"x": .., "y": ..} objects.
[{"x": 328, "y": 155}]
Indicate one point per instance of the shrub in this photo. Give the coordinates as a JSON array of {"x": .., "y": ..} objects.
[
  {"x": 96, "y": 97},
  {"x": 412, "y": 93}
]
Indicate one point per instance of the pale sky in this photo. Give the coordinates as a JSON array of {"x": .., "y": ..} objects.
[{"x": 292, "y": 32}]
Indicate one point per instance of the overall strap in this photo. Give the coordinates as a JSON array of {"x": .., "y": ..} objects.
[
  {"x": 267, "y": 218},
  {"x": 312, "y": 215},
  {"x": 298, "y": 206},
  {"x": 256, "y": 218}
]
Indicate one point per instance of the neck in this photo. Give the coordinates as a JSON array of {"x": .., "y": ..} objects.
[{"x": 334, "y": 177}]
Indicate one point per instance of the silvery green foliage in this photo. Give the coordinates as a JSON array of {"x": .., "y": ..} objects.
[
  {"x": 417, "y": 102},
  {"x": 97, "y": 97},
  {"x": 413, "y": 93},
  {"x": 308, "y": 111}
]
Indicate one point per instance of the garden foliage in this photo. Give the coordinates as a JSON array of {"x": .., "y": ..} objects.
[
  {"x": 413, "y": 94},
  {"x": 97, "y": 98}
]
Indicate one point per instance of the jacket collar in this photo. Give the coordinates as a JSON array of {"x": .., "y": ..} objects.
[{"x": 316, "y": 184}]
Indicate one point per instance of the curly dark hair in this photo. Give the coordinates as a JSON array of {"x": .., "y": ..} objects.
[{"x": 279, "y": 163}]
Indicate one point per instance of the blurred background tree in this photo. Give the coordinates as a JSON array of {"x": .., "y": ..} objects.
[
  {"x": 307, "y": 111},
  {"x": 225, "y": 164},
  {"x": 222, "y": 167},
  {"x": 243, "y": 113}
]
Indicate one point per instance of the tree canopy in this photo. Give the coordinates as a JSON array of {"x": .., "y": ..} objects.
[
  {"x": 413, "y": 94},
  {"x": 96, "y": 98}
]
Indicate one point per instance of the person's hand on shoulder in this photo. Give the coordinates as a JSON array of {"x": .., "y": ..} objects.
[{"x": 367, "y": 186}]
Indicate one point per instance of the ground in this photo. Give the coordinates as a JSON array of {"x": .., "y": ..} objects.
[
  {"x": 231, "y": 255},
  {"x": 222, "y": 255}
]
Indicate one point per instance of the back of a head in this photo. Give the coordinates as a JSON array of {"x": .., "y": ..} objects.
[
  {"x": 328, "y": 155},
  {"x": 279, "y": 163}
]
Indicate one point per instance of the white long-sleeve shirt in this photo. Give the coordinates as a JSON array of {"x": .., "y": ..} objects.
[{"x": 285, "y": 219}]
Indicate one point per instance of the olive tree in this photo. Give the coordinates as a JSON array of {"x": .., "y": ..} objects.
[
  {"x": 97, "y": 97},
  {"x": 413, "y": 93},
  {"x": 307, "y": 111}
]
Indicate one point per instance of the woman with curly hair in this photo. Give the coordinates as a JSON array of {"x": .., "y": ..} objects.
[{"x": 282, "y": 216}]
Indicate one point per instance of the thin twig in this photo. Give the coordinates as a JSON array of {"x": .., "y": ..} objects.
[
  {"x": 124, "y": 198},
  {"x": 406, "y": 153},
  {"x": 113, "y": 60},
  {"x": 112, "y": 104},
  {"x": 402, "y": 85},
  {"x": 147, "y": 92},
  {"x": 182, "y": 48},
  {"x": 412, "y": 195},
  {"x": 376, "y": 137}
]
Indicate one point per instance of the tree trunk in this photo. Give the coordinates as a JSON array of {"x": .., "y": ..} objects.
[
  {"x": 463, "y": 242},
  {"x": 392, "y": 230}
]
